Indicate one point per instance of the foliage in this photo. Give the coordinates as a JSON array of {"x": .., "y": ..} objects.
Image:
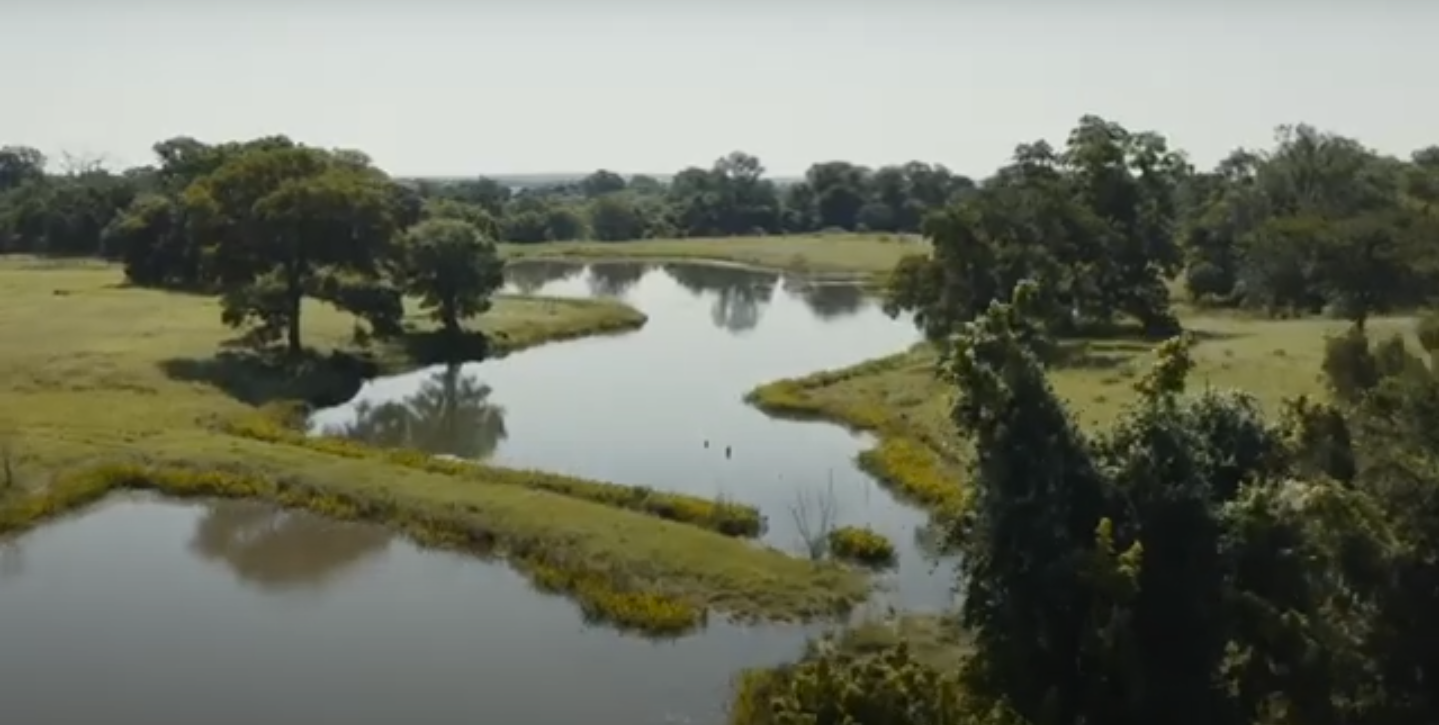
[
  {"x": 837, "y": 688},
  {"x": 451, "y": 269},
  {"x": 1318, "y": 220},
  {"x": 861, "y": 544},
  {"x": 1092, "y": 225}
]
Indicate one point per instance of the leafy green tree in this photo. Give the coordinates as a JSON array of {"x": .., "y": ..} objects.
[
  {"x": 616, "y": 218},
  {"x": 473, "y": 214},
  {"x": 277, "y": 223},
  {"x": 1092, "y": 225},
  {"x": 600, "y": 183},
  {"x": 20, "y": 165},
  {"x": 564, "y": 223},
  {"x": 452, "y": 268}
]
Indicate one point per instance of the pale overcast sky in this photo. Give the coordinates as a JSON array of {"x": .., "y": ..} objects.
[{"x": 464, "y": 88}]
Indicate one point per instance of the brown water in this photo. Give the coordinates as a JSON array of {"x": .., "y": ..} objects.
[{"x": 160, "y": 612}]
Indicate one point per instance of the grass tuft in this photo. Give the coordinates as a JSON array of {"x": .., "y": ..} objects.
[{"x": 862, "y": 545}]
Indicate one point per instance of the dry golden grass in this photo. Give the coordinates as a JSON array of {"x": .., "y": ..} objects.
[
  {"x": 91, "y": 372},
  {"x": 858, "y": 255}
]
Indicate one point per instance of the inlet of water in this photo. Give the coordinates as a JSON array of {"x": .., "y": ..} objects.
[
  {"x": 228, "y": 612},
  {"x": 663, "y": 406},
  {"x": 234, "y": 613}
]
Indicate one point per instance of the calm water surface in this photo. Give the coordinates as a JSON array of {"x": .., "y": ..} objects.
[
  {"x": 235, "y": 613},
  {"x": 663, "y": 406},
  {"x": 160, "y": 612}
]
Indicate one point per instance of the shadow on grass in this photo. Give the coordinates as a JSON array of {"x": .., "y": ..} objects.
[
  {"x": 262, "y": 377},
  {"x": 1118, "y": 346},
  {"x": 437, "y": 347}
]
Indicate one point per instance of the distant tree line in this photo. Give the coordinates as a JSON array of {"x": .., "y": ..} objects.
[
  {"x": 70, "y": 211},
  {"x": 1103, "y": 224}
]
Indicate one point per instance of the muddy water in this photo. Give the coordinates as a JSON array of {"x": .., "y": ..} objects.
[
  {"x": 663, "y": 406},
  {"x": 231, "y": 613}
]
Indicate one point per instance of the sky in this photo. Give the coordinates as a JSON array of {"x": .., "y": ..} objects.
[{"x": 451, "y": 88}]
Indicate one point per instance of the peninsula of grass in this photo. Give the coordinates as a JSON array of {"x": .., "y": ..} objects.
[
  {"x": 104, "y": 387},
  {"x": 862, "y": 257},
  {"x": 918, "y": 456}
]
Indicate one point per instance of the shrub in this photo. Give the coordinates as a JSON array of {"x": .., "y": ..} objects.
[
  {"x": 860, "y": 544},
  {"x": 830, "y": 688}
]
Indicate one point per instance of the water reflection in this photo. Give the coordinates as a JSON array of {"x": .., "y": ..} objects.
[
  {"x": 450, "y": 413},
  {"x": 614, "y": 279},
  {"x": 274, "y": 549},
  {"x": 12, "y": 558},
  {"x": 440, "y": 634},
  {"x": 828, "y": 301},
  {"x": 532, "y": 274},
  {"x": 740, "y": 294}
]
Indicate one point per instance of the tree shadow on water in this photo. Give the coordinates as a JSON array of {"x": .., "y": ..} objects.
[
  {"x": 274, "y": 549},
  {"x": 438, "y": 347},
  {"x": 450, "y": 414},
  {"x": 614, "y": 279},
  {"x": 259, "y": 377},
  {"x": 739, "y": 295}
]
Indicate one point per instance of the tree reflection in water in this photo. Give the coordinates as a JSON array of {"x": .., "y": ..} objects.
[
  {"x": 528, "y": 276},
  {"x": 275, "y": 550},
  {"x": 613, "y": 279},
  {"x": 450, "y": 414},
  {"x": 828, "y": 301},
  {"x": 12, "y": 558},
  {"x": 740, "y": 294}
]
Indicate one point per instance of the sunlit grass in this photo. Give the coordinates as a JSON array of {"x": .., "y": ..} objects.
[
  {"x": 93, "y": 374},
  {"x": 859, "y": 255},
  {"x": 919, "y": 455}
]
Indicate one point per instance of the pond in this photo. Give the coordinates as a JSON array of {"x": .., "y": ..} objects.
[
  {"x": 663, "y": 406},
  {"x": 235, "y": 613},
  {"x": 230, "y": 612}
]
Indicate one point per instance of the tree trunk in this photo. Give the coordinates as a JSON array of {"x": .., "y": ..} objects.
[
  {"x": 451, "y": 321},
  {"x": 292, "y": 325},
  {"x": 294, "y": 293}
]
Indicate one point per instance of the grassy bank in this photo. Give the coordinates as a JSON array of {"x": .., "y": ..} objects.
[
  {"x": 898, "y": 397},
  {"x": 864, "y": 256},
  {"x": 108, "y": 387}
]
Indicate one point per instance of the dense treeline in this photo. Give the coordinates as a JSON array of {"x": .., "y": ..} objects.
[
  {"x": 1317, "y": 223},
  {"x": 70, "y": 212}
]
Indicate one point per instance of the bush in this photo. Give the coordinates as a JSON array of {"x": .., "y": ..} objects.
[
  {"x": 860, "y": 544},
  {"x": 830, "y": 688}
]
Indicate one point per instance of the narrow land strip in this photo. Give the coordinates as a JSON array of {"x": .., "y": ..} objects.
[{"x": 111, "y": 387}]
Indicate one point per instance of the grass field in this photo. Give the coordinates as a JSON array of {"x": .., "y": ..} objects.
[
  {"x": 899, "y": 397},
  {"x": 865, "y": 256},
  {"x": 94, "y": 373}
]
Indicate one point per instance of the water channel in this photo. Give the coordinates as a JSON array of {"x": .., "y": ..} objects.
[{"x": 236, "y": 612}]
